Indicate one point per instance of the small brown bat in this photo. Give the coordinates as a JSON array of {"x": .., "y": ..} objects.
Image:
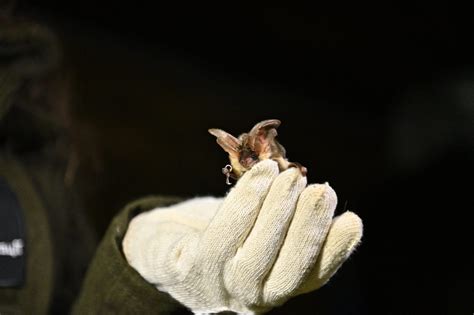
[{"x": 249, "y": 148}]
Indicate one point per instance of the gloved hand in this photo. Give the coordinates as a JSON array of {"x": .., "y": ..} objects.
[{"x": 271, "y": 238}]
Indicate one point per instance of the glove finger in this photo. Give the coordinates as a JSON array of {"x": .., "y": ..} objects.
[
  {"x": 236, "y": 216},
  {"x": 256, "y": 256},
  {"x": 303, "y": 242},
  {"x": 343, "y": 237}
]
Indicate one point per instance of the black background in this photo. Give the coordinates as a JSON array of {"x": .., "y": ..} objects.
[{"x": 379, "y": 101}]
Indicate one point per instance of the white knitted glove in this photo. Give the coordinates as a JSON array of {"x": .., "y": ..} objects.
[{"x": 271, "y": 238}]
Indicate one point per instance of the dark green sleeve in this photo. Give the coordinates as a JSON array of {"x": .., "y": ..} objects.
[
  {"x": 111, "y": 286},
  {"x": 35, "y": 295}
]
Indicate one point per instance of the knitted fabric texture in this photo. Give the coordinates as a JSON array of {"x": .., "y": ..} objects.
[{"x": 271, "y": 238}]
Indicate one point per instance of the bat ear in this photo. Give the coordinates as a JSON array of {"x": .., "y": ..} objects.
[
  {"x": 228, "y": 142},
  {"x": 263, "y": 134}
]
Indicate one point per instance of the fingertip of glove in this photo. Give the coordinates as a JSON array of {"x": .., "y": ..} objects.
[
  {"x": 265, "y": 167},
  {"x": 268, "y": 163},
  {"x": 351, "y": 227},
  {"x": 292, "y": 175},
  {"x": 321, "y": 191},
  {"x": 351, "y": 218}
]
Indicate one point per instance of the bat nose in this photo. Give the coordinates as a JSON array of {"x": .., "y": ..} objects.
[{"x": 249, "y": 161}]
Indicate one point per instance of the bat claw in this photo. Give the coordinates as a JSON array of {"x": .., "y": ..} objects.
[{"x": 302, "y": 169}]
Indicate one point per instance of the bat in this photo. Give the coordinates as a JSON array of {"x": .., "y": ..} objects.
[{"x": 249, "y": 148}]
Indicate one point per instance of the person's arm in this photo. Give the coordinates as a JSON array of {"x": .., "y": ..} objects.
[
  {"x": 111, "y": 285},
  {"x": 271, "y": 238}
]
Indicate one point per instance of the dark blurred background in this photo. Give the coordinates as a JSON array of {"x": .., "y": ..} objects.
[{"x": 379, "y": 101}]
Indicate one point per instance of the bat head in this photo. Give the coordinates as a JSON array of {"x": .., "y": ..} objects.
[{"x": 249, "y": 148}]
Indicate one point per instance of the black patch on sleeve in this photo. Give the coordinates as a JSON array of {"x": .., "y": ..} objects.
[{"x": 12, "y": 238}]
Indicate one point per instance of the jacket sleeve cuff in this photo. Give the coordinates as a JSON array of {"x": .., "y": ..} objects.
[{"x": 111, "y": 285}]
